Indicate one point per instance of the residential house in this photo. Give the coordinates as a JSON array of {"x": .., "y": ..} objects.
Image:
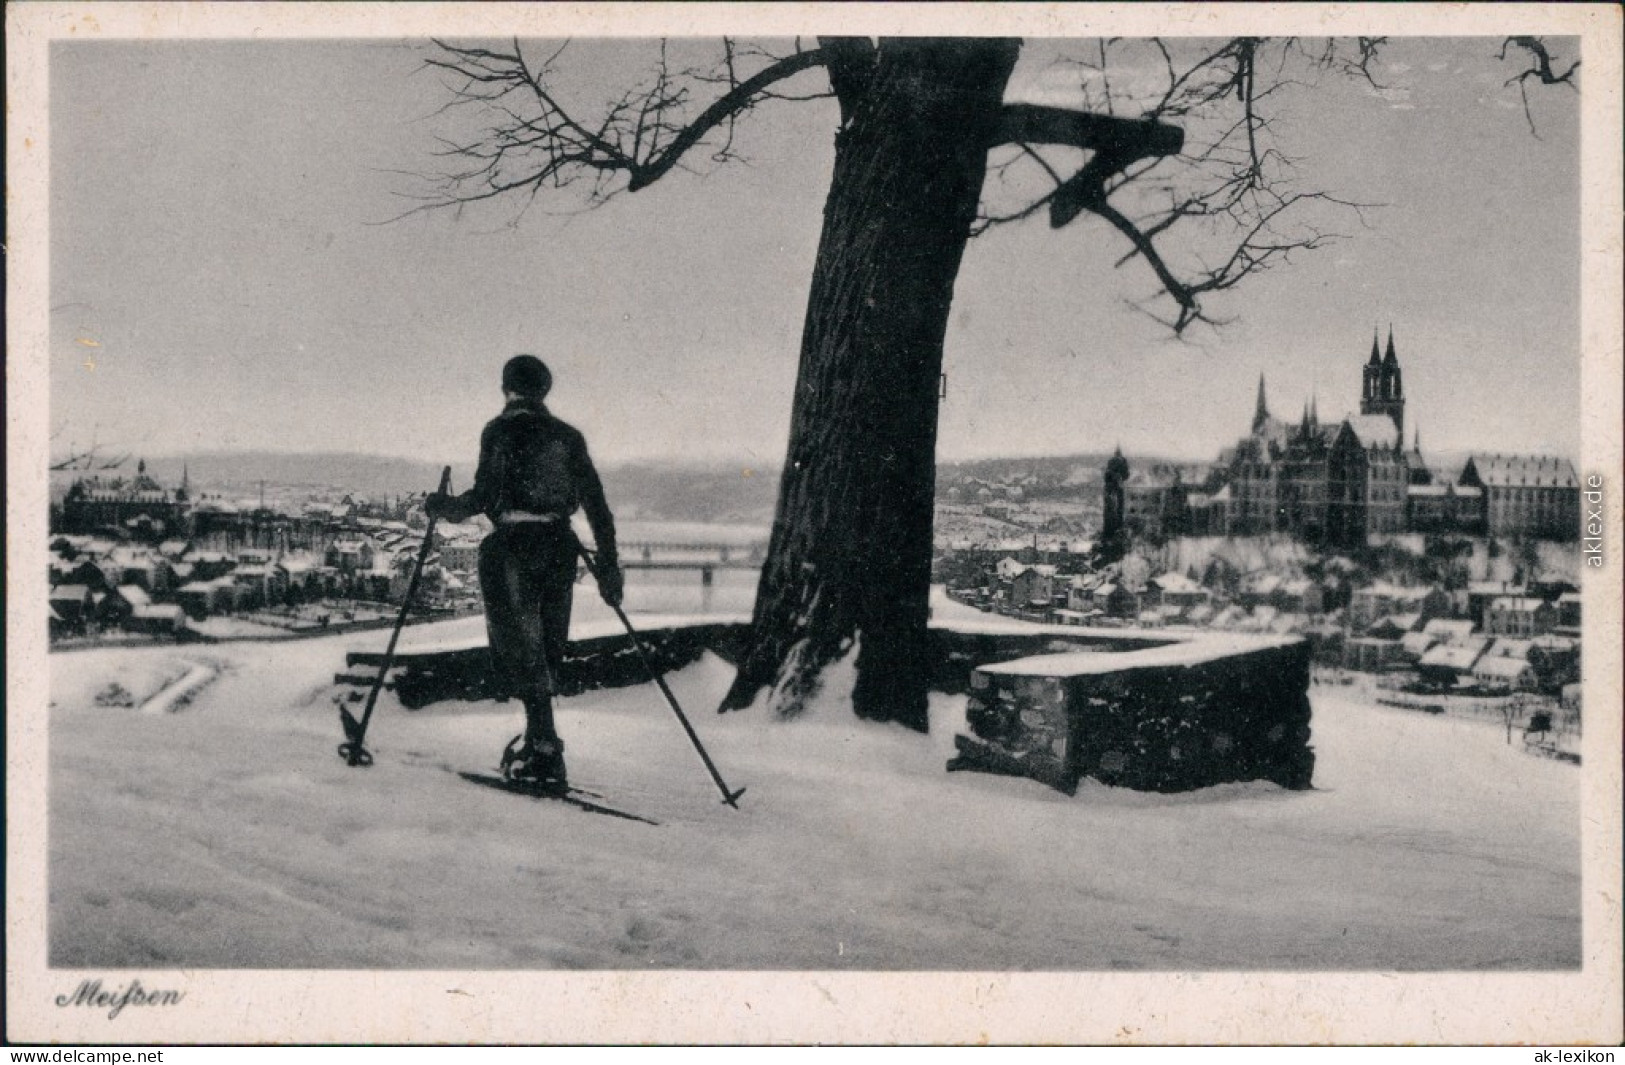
[
  {"x": 1368, "y": 654},
  {"x": 1433, "y": 633},
  {"x": 1299, "y": 595},
  {"x": 1413, "y": 645},
  {"x": 1119, "y": 602},
  {"x": 1481, "y": 593},
  {"x": 83, "y": 572},
  {"x": 113, "y": 610},
  {"x": 260, "y": 584},
  {"x": 1512, "y": 615},
  {"x": 1509, "y": 647},
  {"x": 1442, "y": 666},
  {"x": 1258, "y": 588},
  {"x": 1394, "y": 626},
  {"x": 200, "y": 599},
  {"x": 210, "y": 565},
  {"x": 461, "y": 555},
  {"x": 1567, "y": 621},
  {"x": 1176, "y": 591},
  {"x": 1449, "y": 630},
  {"x": 173, "y": 549},
  {"x": 299, "y": 578},
  {"x": 1033, "y": 588},
  {"x": 1504, "y": 674},
  {"x": 351, "y": 556},
  {"x": 73, "y": 604},
  {"x": 157, "y": 619},
  {"x": 1555, "y": 660},
  {"x": 1369, "y": 604}
]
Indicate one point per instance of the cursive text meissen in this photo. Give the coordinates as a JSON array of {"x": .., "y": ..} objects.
[{"x": 90, "y": 993}]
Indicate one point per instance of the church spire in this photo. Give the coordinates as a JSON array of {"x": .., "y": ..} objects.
[
  {"x": 1376, "y": 357},
  {"x": 1389, "y": 359},
  {"x": 1261, "y": 413}
]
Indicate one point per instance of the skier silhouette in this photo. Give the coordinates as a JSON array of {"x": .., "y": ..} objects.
[{"x": 534, "y": 473}]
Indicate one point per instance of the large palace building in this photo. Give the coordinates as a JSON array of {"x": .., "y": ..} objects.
[
  {"x": 137, "y": 507},
  {"x": 1343, "y": 482}
]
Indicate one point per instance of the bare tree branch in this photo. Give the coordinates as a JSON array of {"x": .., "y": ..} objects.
[
  {"x": 534, "y": 140},
  {"x": 736, "y": 100},
  {"x": 90, "y": 458},
  {"x": 1180, "y": 134},
  {"x": 1540, "y": 68},
  {"x": 1218, "y": 181}
]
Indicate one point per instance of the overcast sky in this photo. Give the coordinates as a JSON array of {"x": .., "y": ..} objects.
[{"x": 224, "y": 275}]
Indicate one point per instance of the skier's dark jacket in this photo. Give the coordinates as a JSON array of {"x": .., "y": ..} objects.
[{"x": 532, "y": 464}]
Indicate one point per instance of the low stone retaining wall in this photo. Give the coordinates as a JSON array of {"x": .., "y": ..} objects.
[
  {"x": 1156, "y": 711},
  {"x": 596, "y": 662},
  {"x": 1207, "y": 710}
]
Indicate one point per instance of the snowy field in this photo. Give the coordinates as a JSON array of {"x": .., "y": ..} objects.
[{"x": 219, "y": 829}]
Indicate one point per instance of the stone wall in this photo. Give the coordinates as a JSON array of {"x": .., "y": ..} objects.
[
  {"x": 597, "y": 662},
  {"x": 1163, "y": 711},
  {"x": 1170, "y": 719}
]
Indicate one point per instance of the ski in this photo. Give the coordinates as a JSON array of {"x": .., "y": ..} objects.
[{"x": 577, "y": 797}]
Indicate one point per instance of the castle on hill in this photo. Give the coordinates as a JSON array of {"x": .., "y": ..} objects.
[
  {"x": 136, "y": 507},
  {"x": 1342, "y": 482}
]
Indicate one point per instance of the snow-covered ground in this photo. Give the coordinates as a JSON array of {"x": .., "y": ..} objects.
[{"x": 229, "y": 834}]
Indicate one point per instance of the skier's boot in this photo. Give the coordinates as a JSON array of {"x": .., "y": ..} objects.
[
  {"x": 546, "y": 764},
  {"x": 536, "y": 761}
]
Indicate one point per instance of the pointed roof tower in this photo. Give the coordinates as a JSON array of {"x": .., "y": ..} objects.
[
  {"x": 1376, "y": 356},
  {"x": 1261, "y": 414},
  {"x": 1388, "y": 359},
  {"x": 1117, "y": 465}
]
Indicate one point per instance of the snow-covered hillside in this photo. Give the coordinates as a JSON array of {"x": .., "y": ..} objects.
[{"x": 225, "y": 832}]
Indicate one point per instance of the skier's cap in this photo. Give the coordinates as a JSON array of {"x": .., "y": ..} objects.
[{"x": 526, "y": 375}]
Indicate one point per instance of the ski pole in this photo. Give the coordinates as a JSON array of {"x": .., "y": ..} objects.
[
  {"x": 729, "y": 797},
  {"x": 352, "y": 750}
]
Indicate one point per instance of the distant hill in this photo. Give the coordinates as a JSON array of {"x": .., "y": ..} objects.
[
  {"x": 716, "y": 492},
  {"x": 1047, "y": 471},
  {"x": 713, "y": 493},
  {"x": 368, "y": 475}
]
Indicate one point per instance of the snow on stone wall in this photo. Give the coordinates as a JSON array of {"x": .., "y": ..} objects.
[{"x": 1167, "y": 719}]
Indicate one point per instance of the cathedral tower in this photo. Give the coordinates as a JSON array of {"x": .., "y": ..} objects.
[
  {"x": 1383, "y": 390},
  {"x": 1116, "y": 474}
]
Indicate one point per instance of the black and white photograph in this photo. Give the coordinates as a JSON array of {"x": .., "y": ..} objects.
[{"x": 778, "y": 523}]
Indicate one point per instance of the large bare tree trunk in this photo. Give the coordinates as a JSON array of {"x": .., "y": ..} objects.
[{"x": 850, "y": 555}]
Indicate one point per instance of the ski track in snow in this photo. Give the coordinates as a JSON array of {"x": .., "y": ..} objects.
[
  {"x": 234, "y": 836},
  {"x": 176, "y": 694}
]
